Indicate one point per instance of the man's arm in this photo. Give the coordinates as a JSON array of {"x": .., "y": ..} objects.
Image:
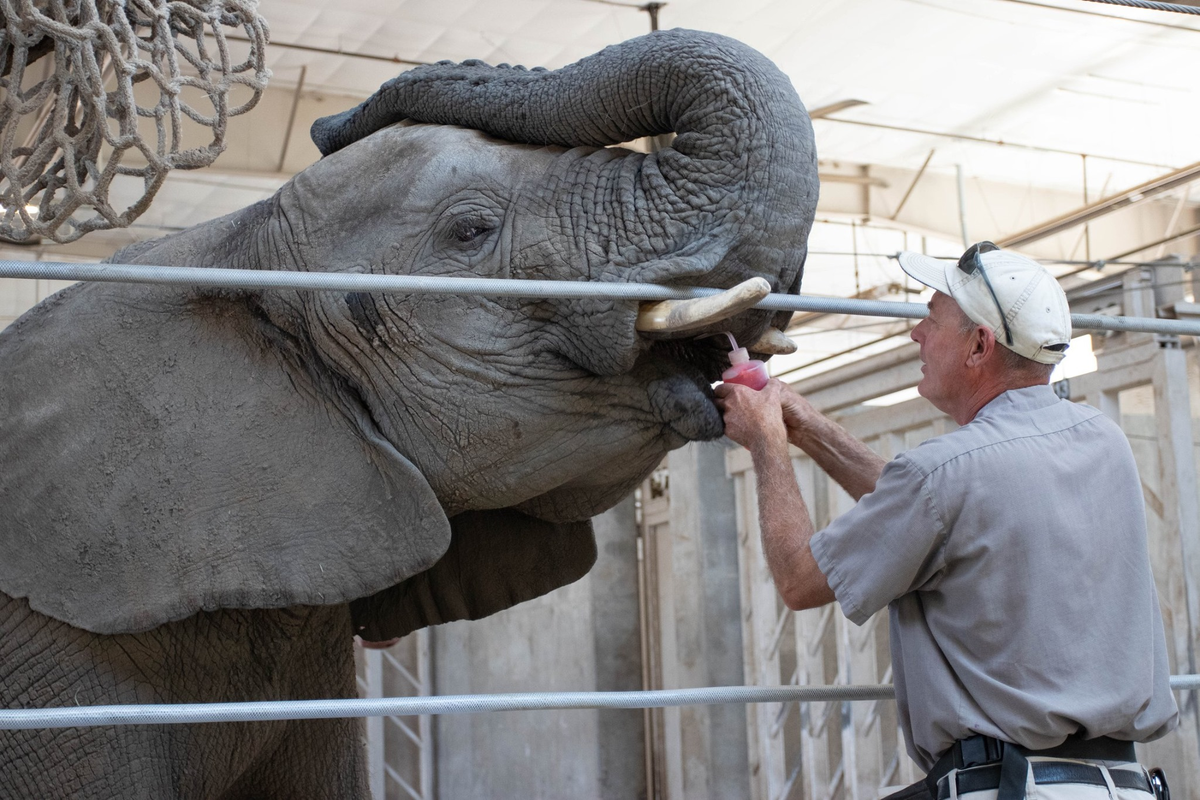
[
  {"x": 854, "y": 466},
  {"x": 755, "y": 420}
]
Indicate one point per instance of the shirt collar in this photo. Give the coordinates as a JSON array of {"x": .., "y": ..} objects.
[{"x": 1030, "y": 398}]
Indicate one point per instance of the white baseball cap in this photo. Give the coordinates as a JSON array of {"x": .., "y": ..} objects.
[{"x": 1015, "y": 297}]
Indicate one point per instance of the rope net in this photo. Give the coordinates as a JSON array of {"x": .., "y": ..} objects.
[{"x": 69, "y": 124}]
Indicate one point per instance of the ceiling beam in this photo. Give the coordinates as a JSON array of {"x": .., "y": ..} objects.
[
  {"x": 1175, "y": 237},
  {"x": 862, "y": 180},
  {"x": 1091, "y": 211},
  {"x": 326, "y": 51},
  {"x": 832, "y": 108},
  {"x": 981, "y": 140}
]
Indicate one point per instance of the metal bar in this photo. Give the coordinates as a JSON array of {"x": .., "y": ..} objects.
[
  {"x": 403, "y": 670},
  {"x": 287, "y": 135},
  {"x": 962, "y": 205},
  {"x": 1085, "y": 12},
  {"x": 1087, "y": 229},
  {"x": 833, "y": 108},
  {"x": 1089, "y": 212},
  {"x": 999, "y": 142},
  {"x": 1171, "y": 223},
  {"x": 336, "y": 52},
  {"x": 1152, "y": 6},
  {"x": 191, "y": 713},
  {"x": 861, "y": 180},
  {"x": 421, "y": 284},
  {"x": 1172, "y": 238},
  {"x": 398, "y": 778},
  {"x": 915, "y": 181},
  {"x": 407, "y": 731}
]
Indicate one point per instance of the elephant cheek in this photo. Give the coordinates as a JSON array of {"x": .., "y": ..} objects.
[{"x": 685, "y": 408}]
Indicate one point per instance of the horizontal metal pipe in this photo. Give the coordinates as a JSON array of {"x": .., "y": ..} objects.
[
  {"x": 422, "y": 284},
  {"x": 190, "y": 713},
  {"x": 155, "y": 714}
]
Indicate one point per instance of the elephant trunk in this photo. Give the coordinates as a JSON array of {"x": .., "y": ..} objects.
[{"x": 738, "y": 183}]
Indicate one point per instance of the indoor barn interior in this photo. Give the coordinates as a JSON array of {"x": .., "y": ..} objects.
[{"x": 1062, "y": 130}]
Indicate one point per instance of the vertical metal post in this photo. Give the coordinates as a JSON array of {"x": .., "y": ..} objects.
[
  {"x": 425, "y": 723},
  {"x": 854, "y": 249},
  {"x": 1172, "y": 413},
  {"x": 962, "y": 205},
  {"x": 1087, "y": 228},
  {"x": 375, "y": 757},
  {"x": 652, "y": 10},
  {"x": 644, "y": 643},
  {"x": 287, "y": 134}
]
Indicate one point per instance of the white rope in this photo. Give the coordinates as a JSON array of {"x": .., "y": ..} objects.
[
  {"x": 57, "y": 116},
  {"x": 489, "y": 287},
  {"x": 166, "y": 714}
]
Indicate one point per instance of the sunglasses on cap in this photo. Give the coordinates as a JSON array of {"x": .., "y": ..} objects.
[{"x": 972, "y": 262}]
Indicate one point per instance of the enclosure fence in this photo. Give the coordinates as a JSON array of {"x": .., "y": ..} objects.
[{"x": 158, "y": 714}]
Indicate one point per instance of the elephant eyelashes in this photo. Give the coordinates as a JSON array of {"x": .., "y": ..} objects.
[{"x": 469, "y": 230}]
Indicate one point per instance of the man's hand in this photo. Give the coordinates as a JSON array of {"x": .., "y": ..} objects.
[
  {"x": 753, "y": 419},
  {"x": 798, "y": 414}
]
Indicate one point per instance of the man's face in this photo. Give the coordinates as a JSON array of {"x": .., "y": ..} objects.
[{"x": 945, "y": 342}]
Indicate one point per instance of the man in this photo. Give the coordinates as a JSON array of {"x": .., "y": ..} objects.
[{"x": 1027, "y": 643}]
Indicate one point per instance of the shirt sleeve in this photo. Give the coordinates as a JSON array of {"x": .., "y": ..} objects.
[{"x": 890, "y": 543}]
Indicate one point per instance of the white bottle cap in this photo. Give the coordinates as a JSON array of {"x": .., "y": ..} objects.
[{"x": 737, "y": 355}]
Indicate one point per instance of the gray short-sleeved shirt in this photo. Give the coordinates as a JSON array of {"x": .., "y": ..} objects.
[{"x": 1013, "y": 555}]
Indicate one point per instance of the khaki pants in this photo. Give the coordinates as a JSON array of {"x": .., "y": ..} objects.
[
  {"x": 1067, "y": 791},
  {"x": 1057, "y": 791}
]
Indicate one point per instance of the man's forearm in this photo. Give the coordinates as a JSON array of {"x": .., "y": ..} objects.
[
  {"x": 848, "y": 461},
  {"x": 787, "y": 530}
]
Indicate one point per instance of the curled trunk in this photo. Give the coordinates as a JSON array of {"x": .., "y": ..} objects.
[{"x": 734, "y": 194}]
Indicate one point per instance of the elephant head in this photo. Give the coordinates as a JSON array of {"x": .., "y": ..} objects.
[{"x": 425, "y": 457}]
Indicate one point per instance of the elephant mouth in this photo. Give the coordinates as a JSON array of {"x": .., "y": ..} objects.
[
  {"x": 702, "y": 359},
  {"x": 682, "y": 397}
]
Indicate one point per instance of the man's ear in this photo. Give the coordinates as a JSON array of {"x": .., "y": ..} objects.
[{"x": 983, "y": 346}]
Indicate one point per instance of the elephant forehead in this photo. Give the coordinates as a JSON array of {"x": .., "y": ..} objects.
[{"x": 434, "y": 158}]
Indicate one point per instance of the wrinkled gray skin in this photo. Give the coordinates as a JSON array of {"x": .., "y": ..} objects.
[{"x": 206, "y": 493}]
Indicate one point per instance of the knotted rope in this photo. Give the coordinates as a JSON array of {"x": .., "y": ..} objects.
[{"x": 70, "y": 125}]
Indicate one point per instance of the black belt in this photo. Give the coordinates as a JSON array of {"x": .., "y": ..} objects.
[
  {"x": 1012, "y": 761},
  {"x": 981, "y": 779}
]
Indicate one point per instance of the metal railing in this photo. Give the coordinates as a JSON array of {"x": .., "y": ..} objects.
[
  {"x": 189, "y": 713},
  {"x": 217, "y": 277}
]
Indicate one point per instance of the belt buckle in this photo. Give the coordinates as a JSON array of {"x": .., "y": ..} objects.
[{"x": 975, "y": 751}]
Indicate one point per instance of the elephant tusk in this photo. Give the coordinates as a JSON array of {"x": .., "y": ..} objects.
[
  {"x": 683, "y": 316},
  {"x": 773, "y": 342}
]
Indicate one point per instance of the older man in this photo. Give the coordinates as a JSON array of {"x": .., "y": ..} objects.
[{"x": 1027, "y": 644}]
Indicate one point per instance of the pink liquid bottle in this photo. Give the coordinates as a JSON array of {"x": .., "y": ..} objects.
[{"x": 743, "y": 369}]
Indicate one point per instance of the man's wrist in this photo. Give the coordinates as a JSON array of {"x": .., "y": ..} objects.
[{"x": 769, "y": 447}]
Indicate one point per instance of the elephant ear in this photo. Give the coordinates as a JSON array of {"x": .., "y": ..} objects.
[
  {"x": 166, "y": 453},
  {"x": 496, "y": 560}
]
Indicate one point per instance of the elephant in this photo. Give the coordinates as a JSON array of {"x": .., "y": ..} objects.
[{"x": 207, "y": 493}]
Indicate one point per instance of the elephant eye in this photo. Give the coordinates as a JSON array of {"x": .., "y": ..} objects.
[{"x": 470, "y": 229}]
